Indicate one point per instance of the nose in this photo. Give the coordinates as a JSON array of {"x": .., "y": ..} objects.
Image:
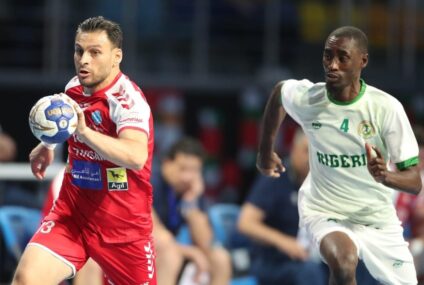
[
  {"x": 333, "y": 64},
  {"x": 84, "y": 58}
]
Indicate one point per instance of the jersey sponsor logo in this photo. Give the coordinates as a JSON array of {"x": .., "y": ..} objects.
[
  {"x": 117, "y": 179},
  {"x": 366, "y": 129},
  {"x": 85, "y": 153},
  {"x": 342, "y": 160},
  {"x": 136, "y": 119},
  {"x": 86, "y": 175},
  {"x": 97, "y": 117},
  {"x": 316, "y": 125},
  {"x": 397, "y": 263}
]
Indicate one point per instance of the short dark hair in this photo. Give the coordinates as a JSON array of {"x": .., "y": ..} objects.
[
  {"x": 112, "y": 29},
  {"x": 353, "y": 33},
  {"x": 186, "y": 145}
]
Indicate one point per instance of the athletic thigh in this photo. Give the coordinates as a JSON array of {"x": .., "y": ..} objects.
[
  {"x": 53, "y": 254},
  {"x": 131, "y": 263},
  {"x": 386, "y": 255}
]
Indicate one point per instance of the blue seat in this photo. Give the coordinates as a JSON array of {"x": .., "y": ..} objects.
[
  {"x": 17, "y": 225},
  {"x": 223, "y": 219}
]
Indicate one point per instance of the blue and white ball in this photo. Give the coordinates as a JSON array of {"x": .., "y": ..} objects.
[{"x": 52, "y": 119}]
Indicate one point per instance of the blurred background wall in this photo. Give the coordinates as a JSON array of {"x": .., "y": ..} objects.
[{"x": 207, "y": 66}]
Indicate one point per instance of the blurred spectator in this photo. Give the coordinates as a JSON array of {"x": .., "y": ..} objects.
[
  {"x": 178, "y": 201},
  {"x": 171, "y": 257},
  {"x": 169, "y": 122},
  {"x": 410, "y": 210},
  {"x": 7, "y": 147},
  {"x": 270, "y": 218}
]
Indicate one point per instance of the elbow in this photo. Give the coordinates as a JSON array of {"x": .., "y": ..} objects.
[
  {"x": 137, "y": 162},
  {"x": 417, "y": 189}
]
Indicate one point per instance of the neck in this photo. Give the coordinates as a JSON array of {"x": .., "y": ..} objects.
[
  {"x": 104, "y": 83},
  {"x": 346, "y": 93}
]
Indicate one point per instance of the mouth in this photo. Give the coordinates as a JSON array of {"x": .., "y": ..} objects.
[
  {"x": 83, "y": 73},
  {"x": 331, "y": 76}
]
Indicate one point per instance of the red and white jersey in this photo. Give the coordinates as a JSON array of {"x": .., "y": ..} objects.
[{"x": 111, "y": 200}]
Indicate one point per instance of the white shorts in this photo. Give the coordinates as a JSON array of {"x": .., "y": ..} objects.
[{"x": 384, "y": 251}]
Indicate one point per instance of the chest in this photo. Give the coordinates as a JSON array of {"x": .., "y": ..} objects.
[
  {"x": 98, "y": 117},
  {"x": 337, "y": 128}
]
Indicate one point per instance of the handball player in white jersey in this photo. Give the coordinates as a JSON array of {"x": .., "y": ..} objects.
[{"x": 354, "y": 131}]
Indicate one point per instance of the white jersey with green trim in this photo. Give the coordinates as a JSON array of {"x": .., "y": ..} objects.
[{"x": 339, "y": 184}]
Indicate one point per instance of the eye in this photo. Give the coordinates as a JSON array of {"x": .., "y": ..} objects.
[
  {"x": 78, "y": 51},
  {"x": 344, "y": 58},
  {"x": 327, "y": 56},
  {"x": 95, "y": 52}
]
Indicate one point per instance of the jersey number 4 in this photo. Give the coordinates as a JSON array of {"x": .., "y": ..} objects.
[{"x": 345, "y": 125}]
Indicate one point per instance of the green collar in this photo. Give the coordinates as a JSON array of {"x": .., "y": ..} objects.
[{"x": 361, "y": 93}]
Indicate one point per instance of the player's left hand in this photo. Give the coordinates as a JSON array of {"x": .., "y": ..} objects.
[{"x": 376, "y": 163}]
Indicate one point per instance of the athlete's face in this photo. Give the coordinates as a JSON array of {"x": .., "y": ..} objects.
[
  {"x": 185, "y": 172},
  {"x": 96, "y": 59},
  {"x": 343, "y": 62}
]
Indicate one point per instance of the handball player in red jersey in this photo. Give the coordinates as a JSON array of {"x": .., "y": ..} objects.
[{"x": 104, "y": 207}]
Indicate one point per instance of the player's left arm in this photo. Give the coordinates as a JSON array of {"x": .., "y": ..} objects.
[
  {"x": 129, "y": 149},
  {"x": 407, "y": 180}
]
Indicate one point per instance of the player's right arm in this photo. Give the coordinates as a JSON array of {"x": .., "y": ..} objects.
[
  {"x": 268, "y": 162},
  {"x": 40, "y": 158}
]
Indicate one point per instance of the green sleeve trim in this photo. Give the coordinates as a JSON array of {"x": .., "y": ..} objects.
[{"x": 407, "y": 163}]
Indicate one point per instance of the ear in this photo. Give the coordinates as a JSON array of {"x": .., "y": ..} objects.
[
  {"x": 117, "y": 56},
  {"x": 364, "y": 61}
]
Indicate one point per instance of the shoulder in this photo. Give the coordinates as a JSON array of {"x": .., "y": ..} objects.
[
  {"x": 383, "y": 99},
  {"x": 125, "y": 90},
  {"x": 301, "y": 92},
  {"x": 73, "y": 86}
]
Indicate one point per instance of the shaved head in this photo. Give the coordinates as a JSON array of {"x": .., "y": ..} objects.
[{"x": 359, "y": 36}]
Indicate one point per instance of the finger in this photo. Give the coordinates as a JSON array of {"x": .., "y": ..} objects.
[
  {"x": 378, "y": 152},
  {"x": 35, "y": 169},
  {"x": 368, "y": 151},
  {"x": 280, "y": 167},
  {"x": 72, "y": 102}
]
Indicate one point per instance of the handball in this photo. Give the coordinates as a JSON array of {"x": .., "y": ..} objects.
[{"x": 52, "y": 119}]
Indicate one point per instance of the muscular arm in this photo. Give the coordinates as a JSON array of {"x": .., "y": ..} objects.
[
  {"x": 407, "y": 180},
  {"x": 128, "y": 150},
  {"x": 268, "y": 163},
  {"x": 251, "y": 223}
]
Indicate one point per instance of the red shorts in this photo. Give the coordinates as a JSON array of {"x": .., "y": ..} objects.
[{"x": 123, "y": 263}]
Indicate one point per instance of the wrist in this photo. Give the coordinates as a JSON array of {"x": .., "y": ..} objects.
[
  {"x": 49, "y": 146},
  {"x": 187, "y": 206}
]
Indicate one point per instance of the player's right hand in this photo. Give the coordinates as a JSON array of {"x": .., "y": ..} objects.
[
  {"x": 82, "y": 126},
  {"x": 39, "y": 158},
  {"x": 270, "y": 165}
]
